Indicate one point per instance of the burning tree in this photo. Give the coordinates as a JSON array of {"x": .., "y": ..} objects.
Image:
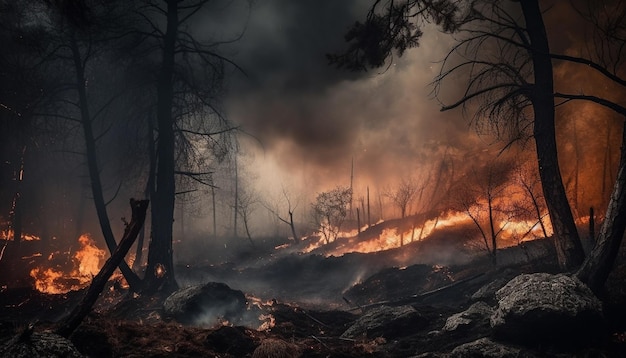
[{"x": 330, "y": 210}]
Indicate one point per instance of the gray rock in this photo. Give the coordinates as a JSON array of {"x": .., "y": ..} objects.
[
  {"x": 487, "y": 348},
  {"x": 387, "y": 322},
  {"x": 477, "y": 314},
  {"x": 40, "y": 344},
  {"x": 487, "y": 293},
  {"x": 545, "y": 308},
  {"x": 206, "y": 305}
]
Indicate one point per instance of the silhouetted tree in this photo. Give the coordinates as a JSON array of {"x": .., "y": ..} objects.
[
  {"x": 188, "y": 81},
  {"x": 483, "y": 199}
]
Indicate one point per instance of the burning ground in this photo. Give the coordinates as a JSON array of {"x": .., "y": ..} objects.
[{"x": 305, "y": 303}]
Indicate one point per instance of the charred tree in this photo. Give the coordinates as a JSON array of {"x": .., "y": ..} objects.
[
  {"x": 568, "y": 246},
  {"x": 71, "y": 322},
  {"x": 160, "y": 269},
  {"x": 92, "y": 160},
  {"x": 599, "y": 263}
]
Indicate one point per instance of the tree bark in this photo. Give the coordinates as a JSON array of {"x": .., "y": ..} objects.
[
  {"x": 160, "y": 269},
  {"x": 568, "y": 246},
  {"x": 71, "y": 322},
  {"x": 596, "y": 268}
]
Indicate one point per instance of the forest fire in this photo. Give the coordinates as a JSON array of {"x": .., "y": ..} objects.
[
  {"x": 509, "y": 232},
  {"x": 85, "y": 263}
]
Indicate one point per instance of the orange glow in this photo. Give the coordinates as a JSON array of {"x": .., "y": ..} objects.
[
  {"x": 159, "y": 271},
  {"x": 512, "y": 233},
  {"x": 8, "y": 235},
  {"x": 85, "y": 262}
]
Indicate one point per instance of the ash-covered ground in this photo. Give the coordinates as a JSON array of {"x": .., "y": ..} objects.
[{"x": 306, "y": 302}]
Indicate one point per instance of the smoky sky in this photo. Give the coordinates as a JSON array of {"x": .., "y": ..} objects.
[
  {"x": 309, "y": 121},
  {"x": 313, "y": 119}
]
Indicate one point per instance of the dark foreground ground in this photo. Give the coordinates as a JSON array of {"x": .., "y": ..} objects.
[{"x": 127, "y": 325}]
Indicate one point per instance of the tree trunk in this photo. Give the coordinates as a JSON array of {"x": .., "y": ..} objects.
[
  {"x": 599, "y": 263},
  {"x": 92, "y": 164},
  {"x": 160, "y": 269},
  {"x": 214, "y": 212},
  {"x": 568, "y": 246},
  {"x": 296, "y": 239},
  {"x": 71, "y": 322}
]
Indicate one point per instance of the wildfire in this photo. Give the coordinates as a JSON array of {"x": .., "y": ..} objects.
[
  {"x": 85, "y": 265},
  {"x": 510, "y": 233}
]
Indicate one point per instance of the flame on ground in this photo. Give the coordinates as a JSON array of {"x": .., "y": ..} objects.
[
  {"x": 511, "y": 233},
  {"x": 9, "y": 235},
  {"x": 85, "y": 265}
]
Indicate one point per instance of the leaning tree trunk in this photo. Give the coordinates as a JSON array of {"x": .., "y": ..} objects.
[
  {"x": 568, "y": 246},
  {"x": 92, "y": 164},
  {"x": 598, "y": 265},
  {"x": 160, "y": 269},
  {"x": 73, "y": 320}
]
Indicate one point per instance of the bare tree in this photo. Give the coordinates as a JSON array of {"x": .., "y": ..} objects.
[
  {"x": 246, "y": 201},
  {"x": 483, "y": 200},
  {"x": 330, "y": 210},
  {"x": 291, "y": 207},
  {"x": 527, "y": 179},
  {"x": 188, "y": 81},
  {"x": 403, "y": 194}
]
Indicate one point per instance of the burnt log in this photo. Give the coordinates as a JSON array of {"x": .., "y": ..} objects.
[{"x": 71, "y": 322}]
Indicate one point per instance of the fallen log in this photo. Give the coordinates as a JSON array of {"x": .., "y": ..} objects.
[
  {"x": 414, "y": 298},
  {"x": 73, "y": 320}
]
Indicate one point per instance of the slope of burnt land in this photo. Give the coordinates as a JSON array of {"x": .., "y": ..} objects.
[{"x": 133, "y": 325}]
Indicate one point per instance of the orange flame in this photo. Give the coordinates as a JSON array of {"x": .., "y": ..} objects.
[
  {"x": 9, "y": 234},
  {"x": 512, "y": 233},
  {"x": 86, "y": 264}
]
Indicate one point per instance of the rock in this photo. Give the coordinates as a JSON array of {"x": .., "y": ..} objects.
[
  {"x": 206, "y": 305},
  {"x": 546, "y": 309},
  {"x": 476, "y": 315},
  {"x": 276, "y": 348},
  {"x": 487, "y": 348},
  {"x": 487, "y": 293},
  {"x": 40, "y": 344},
  {"x": 387, "y": 322}
]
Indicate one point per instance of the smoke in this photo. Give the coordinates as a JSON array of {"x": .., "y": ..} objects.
[{"x": 314, "y": 121}]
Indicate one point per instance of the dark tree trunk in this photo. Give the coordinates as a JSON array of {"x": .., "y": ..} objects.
[
  {"x": 71, "y": 322},
  {"x": 148, "y": 192},
  {"x": 568, "y": 246},
  {"x": 160, "y": 269},
  {"x": 599, "y": 263},
  {"x": 92, "y": 163},
  {"x": 296, "y": 239}
]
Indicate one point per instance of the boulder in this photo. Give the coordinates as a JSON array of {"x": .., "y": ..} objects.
[
  {"x": 487, "y": 348},
  {"x": 39, "y": 344},
  {"x": 387, "y": 322},
  {"x": 206, "y": 305},
  {"x": 477, "y": 315},
  {"x": 487, "y": 293},
  {"x": 546, "y": 309}
]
